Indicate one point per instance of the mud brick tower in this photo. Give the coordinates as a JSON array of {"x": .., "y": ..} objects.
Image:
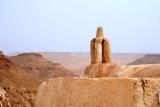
[{"x": 100, "y": 54}]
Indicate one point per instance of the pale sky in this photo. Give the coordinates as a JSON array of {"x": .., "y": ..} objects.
[{"x": 69, "y": 25}]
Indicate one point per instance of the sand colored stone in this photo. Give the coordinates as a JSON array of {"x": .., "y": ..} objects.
[
  {"x": 101, "y": 62},
  {"x": 102, "y": 70},
  {"x": 95, "y": 53},
  {"x": 99, "y": 92},
  {"x": 4, "y": 100}
]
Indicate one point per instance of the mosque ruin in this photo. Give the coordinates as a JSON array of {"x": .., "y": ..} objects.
[
  {"x": 96, "y": 42},
  {"x": 100, "y": 54}
]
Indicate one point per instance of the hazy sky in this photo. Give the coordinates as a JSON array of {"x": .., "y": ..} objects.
[{"x": 69, "y": 25}]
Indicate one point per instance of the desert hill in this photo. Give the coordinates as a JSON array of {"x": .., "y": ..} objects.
[
  {"x": 141, "y": 71},
  {"x": 1, "y": 53},
  {"x": 19, "y": 86},
  {"x": 147, "y": 59},
  {"x": 76, "y": 62},
  {"x": 39, "y": 67}
]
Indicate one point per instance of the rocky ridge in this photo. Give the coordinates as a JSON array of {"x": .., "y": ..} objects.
[
  {"x": 20, "y": 87},
  {"x": 4, "y": 100},
  {"x": 40, "y": 68}
]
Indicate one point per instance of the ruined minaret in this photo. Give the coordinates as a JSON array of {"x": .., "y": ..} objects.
[
  {"x": 100, "y": 42},
  {"x": 101, "y": 61}
]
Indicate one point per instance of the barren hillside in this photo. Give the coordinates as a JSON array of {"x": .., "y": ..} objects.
[
  {"x": 39, "y": 67},
  {"x": 76, "y": 62},
  {"x": 147, "y": 59},
  {"x": 20, "y": 87},
  {"x": 141, "y": 71}
]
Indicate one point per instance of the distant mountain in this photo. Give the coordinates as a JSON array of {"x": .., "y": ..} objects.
[
  {"x": 19, "y": 86},
  {"x": 1, "y": 53},
  {"x": 40, "y": 68},
  {"x": 141, "y": 71},
  {"x": 76, "y": 62},
  {"x": 147, "y": 59}
]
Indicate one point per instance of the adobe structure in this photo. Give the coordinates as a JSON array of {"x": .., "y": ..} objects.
[
  {"x": 101, "y": 62},
  {"x": 96, "y": 42},
  {"x": 124, "y": 91}
]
